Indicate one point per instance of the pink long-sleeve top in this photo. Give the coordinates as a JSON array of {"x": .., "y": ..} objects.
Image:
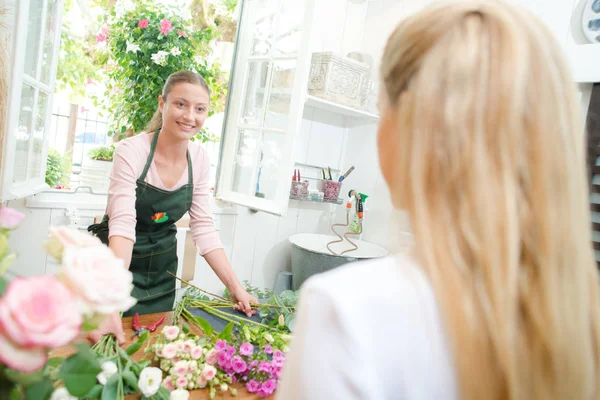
[{"x": 128, "y": 164}]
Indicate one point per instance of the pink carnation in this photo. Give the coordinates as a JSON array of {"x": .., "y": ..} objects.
[
  {"x": 246, "y": 349},
  {"x": 143, "y": 23},
  {"x": 268, "y": 349},
  {"x": 238, "y": 365},
  {"x": 269, "y": 386},
  {"x": 221, "y": 344},
  {"x": 252, "y": 386},
  {"x": 165, "y": 26},
  {"x": 277, "y": 354}
]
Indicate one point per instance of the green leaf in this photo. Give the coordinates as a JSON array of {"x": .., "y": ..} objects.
[
  {"x": 133, "y": 347},
  {"x": 95, "y": 393},
  {"x": 24, "y": 379},
  {"x": 205, "y": 325},
  {"x": 54, "y": 362},
  {"x": 226, "y": 332},
  {"x": 3, "y": 285},
  {"x": 185, "y": 328},
  {"x": 79, "y": 371},
  {"x": 88, "y": 326},
  {"x": 109, "y": 392},
  {"x": 130, "y": 378},
  {"x": 41, "y": 390},
  {"x": 139, "y": 366}
]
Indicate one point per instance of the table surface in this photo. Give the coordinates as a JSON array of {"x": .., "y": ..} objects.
[{"x": 199, "y": 394}]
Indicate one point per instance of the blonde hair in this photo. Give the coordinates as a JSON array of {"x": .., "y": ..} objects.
[
  {"x": 492, "y": 171},
  {"x": 175, "y": 78}
]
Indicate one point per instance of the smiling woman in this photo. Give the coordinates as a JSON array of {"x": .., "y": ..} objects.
[{"x": 157, "y": 177}]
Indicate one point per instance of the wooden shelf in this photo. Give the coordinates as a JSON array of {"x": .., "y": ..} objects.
[{"x": 326, "y": 105}]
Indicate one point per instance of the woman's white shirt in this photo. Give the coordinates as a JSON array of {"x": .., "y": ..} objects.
[{"x": 369, "y": 330}]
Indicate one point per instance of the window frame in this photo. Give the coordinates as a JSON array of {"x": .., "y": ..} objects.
[
  {"x": 17, "y": 77},
  {"x": 235, "y": 103}
]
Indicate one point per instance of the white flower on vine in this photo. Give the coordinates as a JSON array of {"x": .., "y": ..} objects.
[
  {"x": 160, "y": 57},
  {"x": 134, "y": 48},
  {"x": 175, "y": 51}
]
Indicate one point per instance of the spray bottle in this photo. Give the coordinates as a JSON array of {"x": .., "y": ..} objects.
[{"x": 358, "y": 218}]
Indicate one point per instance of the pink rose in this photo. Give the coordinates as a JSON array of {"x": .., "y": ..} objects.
[
  {"x": 99, "y": 278},
  {"x": 196, "y": 352},
  {"x": 212, "y": 356},
  {"x": 181, "y": 368},
  {"x": 209, "y": 372},
  {"x": 10, "y": 218},
  {"x": 36, "y": 313},
  {"x": 61, "y": 237},
  {"x": 168, "y": 383},
  {"x": 143, "y": 23},
  {"x": 170, "y": 332},
  {"x": 169, "y": 351},
  {"x": 181, "y": 382},
  {"x": 201, "y": 382}
]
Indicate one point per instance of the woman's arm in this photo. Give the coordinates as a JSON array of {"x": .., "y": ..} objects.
[
  {"x": 220, "y": 265},
  {"x": 206, "y": 237},
  {"x": 122, "y": 247}
]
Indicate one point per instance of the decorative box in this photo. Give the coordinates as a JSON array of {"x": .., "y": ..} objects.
[{"x": 337, "y": 79}]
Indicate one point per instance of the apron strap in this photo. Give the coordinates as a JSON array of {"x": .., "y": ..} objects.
[
  {"x": 150, "y": 156},
  {"x": 190, "y": 172}
]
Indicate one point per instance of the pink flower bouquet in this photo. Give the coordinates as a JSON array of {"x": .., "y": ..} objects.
[{"x": 41, "y": 313}]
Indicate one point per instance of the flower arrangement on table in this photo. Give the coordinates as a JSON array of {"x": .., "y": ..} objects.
[
  {"x": 246, "y": 352},
  {"x": 42, "y": 313}
]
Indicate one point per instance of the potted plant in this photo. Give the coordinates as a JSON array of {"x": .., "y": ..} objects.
[{"x": 95, "y": 170}]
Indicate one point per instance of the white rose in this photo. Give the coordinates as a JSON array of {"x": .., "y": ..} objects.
[
  {"x": 109, "y": 368},
  {"x": 61, "y": 237},
  {"x": 180, "y": 394},
  {"x": 62, "y": 394},
  {"x": 99, "y": 279},
  {"x": 150, "y": 380}
]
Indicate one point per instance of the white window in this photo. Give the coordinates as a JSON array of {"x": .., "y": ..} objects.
[
  {"x": 36, "y": 27},
  {"x": 265, "y": 104}
]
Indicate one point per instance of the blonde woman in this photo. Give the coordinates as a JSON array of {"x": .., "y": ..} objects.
[{"x": 480, "y": 141}]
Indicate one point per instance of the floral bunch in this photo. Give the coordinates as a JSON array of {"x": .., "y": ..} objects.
[
  {"x": 41, "y": 313},
  {"x": 218, "y": 361}
]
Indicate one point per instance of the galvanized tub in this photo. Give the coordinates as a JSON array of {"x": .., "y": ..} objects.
[{"x": 310, "y": 255}]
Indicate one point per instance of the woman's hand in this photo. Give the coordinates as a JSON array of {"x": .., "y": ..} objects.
[
  {"x": 243, "y": 300},
  {"x": 111, "y": 324}
]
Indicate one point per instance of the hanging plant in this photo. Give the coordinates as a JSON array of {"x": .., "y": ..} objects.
[{"x": 143, "y": 46}]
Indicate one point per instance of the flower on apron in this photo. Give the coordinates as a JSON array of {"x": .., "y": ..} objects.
[{"x": 160, "y": 217}]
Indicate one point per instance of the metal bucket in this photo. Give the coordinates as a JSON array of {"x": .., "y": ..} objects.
[{"x": 310, "y": 255}]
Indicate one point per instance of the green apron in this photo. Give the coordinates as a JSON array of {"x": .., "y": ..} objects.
[{"x": 155, "y": 248}]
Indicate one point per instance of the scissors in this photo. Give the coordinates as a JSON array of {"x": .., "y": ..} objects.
[{"x": 139, "y": 328}]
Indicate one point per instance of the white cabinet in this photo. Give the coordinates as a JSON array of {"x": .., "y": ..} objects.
[{"x": 268, "y": 100}]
